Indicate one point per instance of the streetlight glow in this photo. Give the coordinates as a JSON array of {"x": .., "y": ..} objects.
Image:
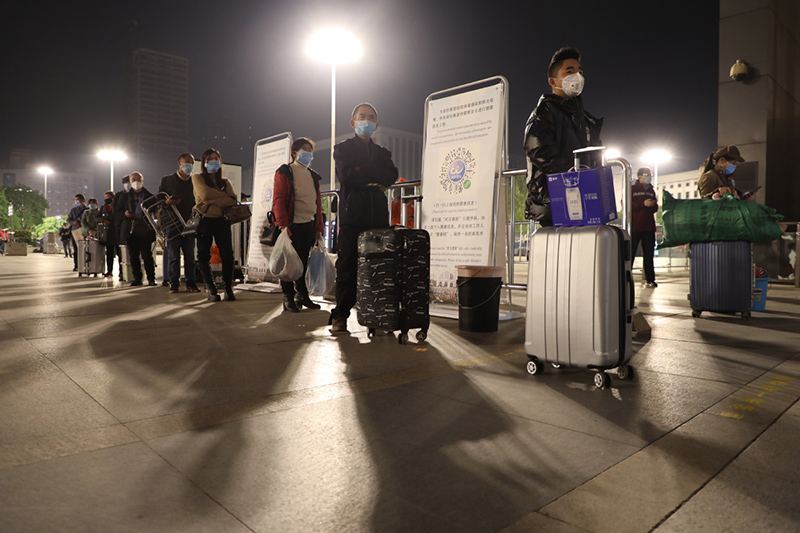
[
  {"x": 612, "y": 153},
  {"x": 333, "y": 46},
  {"x": 111, "y": 156},
  {"x": 46, "y": 171}
]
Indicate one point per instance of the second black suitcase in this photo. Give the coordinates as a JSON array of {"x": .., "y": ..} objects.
[
  {"x": 393, "y": 281},
  {"x": 721, "y": 277}
]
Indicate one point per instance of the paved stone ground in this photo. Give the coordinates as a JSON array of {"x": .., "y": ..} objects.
[{"x": 130, "y": 409}]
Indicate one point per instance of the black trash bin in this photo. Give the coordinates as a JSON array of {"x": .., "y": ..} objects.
[{"x": 479, "y": 297}]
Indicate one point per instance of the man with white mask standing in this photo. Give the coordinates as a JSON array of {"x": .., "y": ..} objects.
[
  {"x": 181, "y": 194},
  {"x": 364, "y": 170},
  {"x": 557, "y": 126},
  {"x": 644, "y": 205}
]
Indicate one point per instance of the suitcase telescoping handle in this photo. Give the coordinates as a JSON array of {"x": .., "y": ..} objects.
[{"x": 626, "y": 178}]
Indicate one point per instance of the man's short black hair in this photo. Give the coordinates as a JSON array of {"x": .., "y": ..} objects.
[
  {"x": 567, "y": 52},
  {"x": 185, "y": 155},
  {"x": 81, "y": 197}
]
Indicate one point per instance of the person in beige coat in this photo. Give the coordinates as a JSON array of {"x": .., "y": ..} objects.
[{"x": 212, "y": 194}]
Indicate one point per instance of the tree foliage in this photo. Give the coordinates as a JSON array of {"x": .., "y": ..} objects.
[
  {"x": 48, "y": 224},
  {"x": 29, "y": 206}
]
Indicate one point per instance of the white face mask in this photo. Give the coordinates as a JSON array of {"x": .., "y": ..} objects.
[
  {"x": 572, "y": 85},
  {"x": 136, "y": 185}
]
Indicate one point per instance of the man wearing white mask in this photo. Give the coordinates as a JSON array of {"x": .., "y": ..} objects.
[
  {"x": 137, "y": 232},
  {"x": 364, "y": 170},
  {"x": 181, "y": 194},
  {"x": 557, "y": 126},
  {"x": 643, "y": 228}
]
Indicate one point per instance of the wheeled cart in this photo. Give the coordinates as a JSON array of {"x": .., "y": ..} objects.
[
  {"x": 580, "y": 301},
  {"x": 393, "y": 281},
  {"x": 721, "y": 277}
]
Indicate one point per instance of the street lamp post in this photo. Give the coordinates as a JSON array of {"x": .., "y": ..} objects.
[
  {"x": 111, "y": 156},
  {"x": 46, "y": 171},
  {"x": 333, "y": 46},
  {"x": 655, "y": 157}
]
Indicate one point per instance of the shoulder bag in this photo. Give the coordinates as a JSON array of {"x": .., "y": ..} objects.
[
  {"x": 271, "y": 231},
  {"x": 236, "y": 213}
]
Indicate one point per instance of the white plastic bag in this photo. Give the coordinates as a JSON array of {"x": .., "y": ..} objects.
[
  {"x": 321, "y": 274},
  {"x": 284, "y": 261}
]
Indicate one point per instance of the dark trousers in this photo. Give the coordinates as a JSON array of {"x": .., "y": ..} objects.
[
  {"x": 111, "y": 251},
  {"x": 302, "y": 239},
  {"x": 74, "y": 251},
  {"x": 648, "y": 240},
  {"x": 67, "y": 244},
  {"x": 346, "y": 268},
  {"x": 141, "y": 246},
  {"x": 216, "y": 231}
]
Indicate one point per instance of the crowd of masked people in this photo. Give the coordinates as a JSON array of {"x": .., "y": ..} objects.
[{"x": 120, "y": 224}]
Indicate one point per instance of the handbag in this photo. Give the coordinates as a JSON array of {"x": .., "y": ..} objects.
[
  {"x": 236, "y": 213},
  {"x": 192, "y": 226},
  {"x": 271, "y": 231}
]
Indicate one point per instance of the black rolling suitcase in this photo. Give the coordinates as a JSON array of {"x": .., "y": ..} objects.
[
  {"x": 393, "y": 281},
  {"x": 721, "y": 277}
]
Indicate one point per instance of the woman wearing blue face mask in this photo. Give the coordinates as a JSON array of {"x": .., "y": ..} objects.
[
  {"x": 717, "y": 178},
  {"x": 212, "y": 194},
  {"x": 89, "y": 219},
  {"x": 297, "y": 206}
]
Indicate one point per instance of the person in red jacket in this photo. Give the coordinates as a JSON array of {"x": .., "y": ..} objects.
[
  {"x": 297, "y": 206},
  {"x": 645, "y": 205}
]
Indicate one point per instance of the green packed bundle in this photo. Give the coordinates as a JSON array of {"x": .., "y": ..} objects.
[{"x": 725, "y": 219}]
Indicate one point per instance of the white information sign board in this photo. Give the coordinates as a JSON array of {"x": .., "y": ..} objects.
[
  {"x": 463, "y": 151},
  {"x": 270, "y": 153}
]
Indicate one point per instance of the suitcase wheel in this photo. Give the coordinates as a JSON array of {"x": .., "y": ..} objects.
[
  {"x": 80, "y": 275},
  {"x": 601, "y": 380},
  {"x": 745, "y": 315},
  {"x": 696, "y": 313},
  {"x": 534, "y": 367},
  {"x": 555, "y": 365},
  {"x": 403, "y": 338},
  {"x": 371, "y": 332},
  {"x": 422, "y": 335},
  {"x": 625, "y": 372}
]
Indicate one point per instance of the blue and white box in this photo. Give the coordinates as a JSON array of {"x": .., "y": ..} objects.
[{"x": 583, "y": 197}]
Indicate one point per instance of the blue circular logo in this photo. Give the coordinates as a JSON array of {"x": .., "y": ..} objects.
[{"x": 456, "y": 170}]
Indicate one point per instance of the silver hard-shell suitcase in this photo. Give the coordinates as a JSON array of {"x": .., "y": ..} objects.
[
  {"x": 580, "y": 300},
  {"x": 91, "y": 257}
]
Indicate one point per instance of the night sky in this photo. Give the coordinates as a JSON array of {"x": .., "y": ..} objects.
[{"x": 651, "y": 71}]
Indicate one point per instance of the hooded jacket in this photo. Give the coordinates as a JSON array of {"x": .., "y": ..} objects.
[{"x": 556, "y": 127}]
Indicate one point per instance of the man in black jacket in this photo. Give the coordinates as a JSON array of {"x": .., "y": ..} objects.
[
  {"x": 364, "y": 170},
  {"x": 181, "y": 194},
  {"x": 140, "y": 236},
  {"x": 557, "y": 126},
  {"x": 74, "y": 220},
  {"x": 119, "y": 217}
]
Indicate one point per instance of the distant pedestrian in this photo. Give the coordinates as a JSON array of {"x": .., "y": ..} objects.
[
  {"x": 119, "y": 217},
  {"x": 74, "y": 220},
  {"x": 364, "y": 170},
  {"x": 181, "y": 195},
  {"x": 212, "y": 194},
  {"x": 297, "y": 206},
  {"x": 106, "y": 218},
  {"x": 138, "y": 234},
  {"x": 65, "y": 234},
  {"x": 645, "y": 205}
]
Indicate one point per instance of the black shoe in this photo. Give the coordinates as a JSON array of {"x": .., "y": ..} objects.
[
  {"x": 174, "y": 289},
  {"x": 192, "y": 287},
  {"x": 75, "y": 269},
  {"x": 229, "y": 296},
  {"x": 136, "y": 283},
  {"x": 305, "y": 301},
  {"x": 290, "y": 305},
  {"x": 213, "y": 296},
  {"x": 152, "y": 283}
]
